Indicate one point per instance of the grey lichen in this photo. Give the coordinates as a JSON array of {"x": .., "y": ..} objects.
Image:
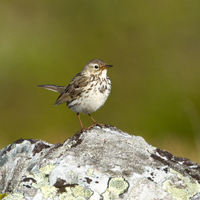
[{"x": 101, "y": 163}]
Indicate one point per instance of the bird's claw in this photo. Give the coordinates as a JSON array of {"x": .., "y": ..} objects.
[{"x": 92, "y": 126}]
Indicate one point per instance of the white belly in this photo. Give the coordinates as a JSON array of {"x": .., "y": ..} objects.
[{"x": 92, "y": 100}]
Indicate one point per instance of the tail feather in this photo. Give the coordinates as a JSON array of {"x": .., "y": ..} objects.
[{"x": 55, "y": 88}]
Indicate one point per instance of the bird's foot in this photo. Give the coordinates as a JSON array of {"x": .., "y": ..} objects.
[
  {"x": 85, "y": 129},
  {"x": 100, "y": 125},
  {"x": 92, "y": 126},
  {"x": 97, "y": 124}
]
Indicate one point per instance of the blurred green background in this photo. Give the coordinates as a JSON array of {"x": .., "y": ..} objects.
[{"x": 153, "y": 45}]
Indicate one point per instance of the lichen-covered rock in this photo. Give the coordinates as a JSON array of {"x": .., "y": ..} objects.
[{"x": 101, "y": 163}]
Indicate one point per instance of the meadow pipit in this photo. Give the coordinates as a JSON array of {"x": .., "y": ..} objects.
[{"x": 87, "y": 91}]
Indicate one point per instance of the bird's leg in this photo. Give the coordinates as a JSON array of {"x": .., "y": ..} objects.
[
  {"x": 82, "y": 128},
  {"x": 95, "y": 123}
]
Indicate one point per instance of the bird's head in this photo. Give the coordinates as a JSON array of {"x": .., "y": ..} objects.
[{"x": 95, "y": 67}]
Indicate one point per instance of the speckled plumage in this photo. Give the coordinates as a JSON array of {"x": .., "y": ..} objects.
[{"x": 87, "y": 91}]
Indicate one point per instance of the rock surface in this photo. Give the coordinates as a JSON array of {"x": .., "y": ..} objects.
[{"x": 101, "y": 163}]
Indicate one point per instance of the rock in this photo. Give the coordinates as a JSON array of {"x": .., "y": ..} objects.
[{"x": 101, "y": 163}]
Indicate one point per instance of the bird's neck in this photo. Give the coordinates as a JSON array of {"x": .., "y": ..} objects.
[{"x": 104, "y": 73}]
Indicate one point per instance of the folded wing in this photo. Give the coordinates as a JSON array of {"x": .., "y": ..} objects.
[{"x": 73, "y": 90}]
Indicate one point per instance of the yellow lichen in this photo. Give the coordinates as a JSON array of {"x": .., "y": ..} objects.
[
  {"x": 116, "y": 187},
  {"x": 78, "y": 191},
  {"x": 182, "y": 188},
  {"x": 47, "y": 169},
  {"x": 48, "y": 191},
  {"x": 90, "y": 173},
  {"x": 17, "y": 195}
]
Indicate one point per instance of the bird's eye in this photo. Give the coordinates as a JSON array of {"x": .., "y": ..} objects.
[{"x": 96, "y": 67}]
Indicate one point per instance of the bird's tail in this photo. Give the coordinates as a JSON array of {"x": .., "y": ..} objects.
[{"x": 55, "y": 88}]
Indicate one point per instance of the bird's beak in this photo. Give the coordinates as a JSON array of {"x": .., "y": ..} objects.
[{"x": 105, "y": 67}]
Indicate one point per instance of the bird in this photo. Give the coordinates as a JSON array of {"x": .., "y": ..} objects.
[{"x": 86, "y": 92}]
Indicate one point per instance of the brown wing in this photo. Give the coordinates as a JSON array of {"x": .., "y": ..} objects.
[{"x": 73, "y": 90}]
